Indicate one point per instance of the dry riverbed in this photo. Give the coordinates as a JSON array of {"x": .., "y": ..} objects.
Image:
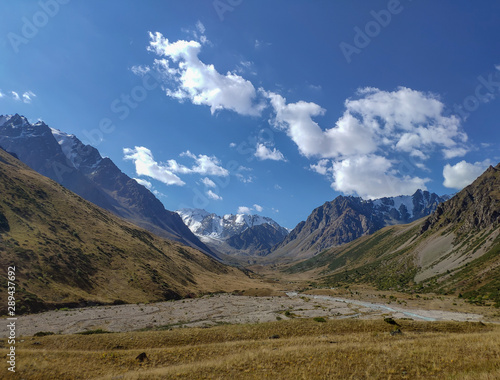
[{"x": 221, "y": 309}]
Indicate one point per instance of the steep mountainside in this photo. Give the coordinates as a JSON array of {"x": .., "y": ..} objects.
[
  {"x": 80, "y": 168},
  {"x": 238, "y": 234},
  {"x": 455, "y": 249},
  {"x": 347, "y": 218},
  {"x": 67, "y": 251}
]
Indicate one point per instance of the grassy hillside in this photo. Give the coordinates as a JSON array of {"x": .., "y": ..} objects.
[
  {"x": 294, "y": 349},
  {"x": 455, "y": 250},
  {"x": 70, "y": 252}
]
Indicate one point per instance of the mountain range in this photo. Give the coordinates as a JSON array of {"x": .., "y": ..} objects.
[
  {"x": 456, "y": 249},
  {"x": 69, "y": 252},
  {"x": 81, "y": 169},
  {"x": 238, "y": 234},
  {"x": 347, "y": 218}
]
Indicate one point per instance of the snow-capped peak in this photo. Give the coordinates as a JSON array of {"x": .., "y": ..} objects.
[
  {"x": 205, "y": 224},
  {"x": 75, "y": 151}
]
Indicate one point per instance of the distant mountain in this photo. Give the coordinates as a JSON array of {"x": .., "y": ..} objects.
[
  {"x": 347, "y": 218},
  {"x": 69, "y": 252},
  {"x": 455, "y": 249},
  {"x": 238, "y": 234},
  {"x": 80, "y": 168}
]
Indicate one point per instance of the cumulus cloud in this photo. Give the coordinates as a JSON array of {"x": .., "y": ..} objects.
[
  {"x": 166, "y": 172},
  {"x": 321, "y": 167},
  {"x": 148, "y": 185},
  {"x": 258, "y": 208},
  {"x": 208, "y": 182},
  {"x": 205, "y": 165},
  {"x": 189, "y": 78},
  {"x": 373, "y": 177},
  {"x": 244, "y": 210},
  {"x": 378, "y": 130},
  {"x": 213, "y": 196},
  {"x": 147, "y": 166},
  {"x": 404, "y": 120},
  {"x": 463, "y": 173},
  {"x": 264, "y": 153}
]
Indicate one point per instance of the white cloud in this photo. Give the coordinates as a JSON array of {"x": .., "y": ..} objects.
[
  {"x": 373, "y": 177},
  {"x": 15, "y": 95},
  {"x": 258, "y": 44},
  {"x": 205, "y": 165},
  {"x": 244, "y": 210},
  {"x": 213, "y": 196},
  {"x": 147, "y": 166},
  {"x": 208, "y": 182},
  {"x": 321, "y": 167},
  {"x": 240, "y": 174},
  {"x": 455, "y": 152},
  {"x": 140, "y": 70},
  {"x": 403, "y": 121},
  {"x": 148, "y": 185},
  {"x": 202, "y": 84},
  {"x": 463, "y": 173},
  {"x": 1, "y": 94},
  {"x": 166, "y": 172},
  {"x": 264, "y": 153},
  {"x": 344, "y": 139},
  {"x": 200, "y": 27},
  {"x": 27, "y": 96},
  {"x": 258, "y": 208},
  {"x": 378, "y": 131},
  {"x": 232, "y": 145}
]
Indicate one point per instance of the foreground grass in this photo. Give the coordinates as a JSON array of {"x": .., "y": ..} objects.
[{"x": 299, "y": 349}]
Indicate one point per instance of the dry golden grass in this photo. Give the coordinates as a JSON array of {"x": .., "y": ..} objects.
[{"x": 305, "y": 349}]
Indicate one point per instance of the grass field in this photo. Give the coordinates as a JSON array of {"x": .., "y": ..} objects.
[{"x": 292, "y": 349}]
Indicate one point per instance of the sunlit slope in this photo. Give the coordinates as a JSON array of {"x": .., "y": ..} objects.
[
  {"x": 456, "y": 249},
  {"x": 68, "y": 251}
]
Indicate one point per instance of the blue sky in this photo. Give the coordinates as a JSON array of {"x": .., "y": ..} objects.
[{"x": 269, "y": 107}]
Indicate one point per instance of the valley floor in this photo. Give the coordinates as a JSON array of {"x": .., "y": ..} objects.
[{"x": 219, "y": 309}]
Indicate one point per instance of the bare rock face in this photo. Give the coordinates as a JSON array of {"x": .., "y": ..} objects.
[
  {"x": 475, "y": 207},
  {"x": 81, "y": 169},
  {"x": 347, "y": 218}
]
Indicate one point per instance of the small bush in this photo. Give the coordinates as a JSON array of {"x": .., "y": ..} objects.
[
  {"x": 91, "y": 332},
  {"x": 43, "y": 333},
  {"x": 319, "y": 319}
]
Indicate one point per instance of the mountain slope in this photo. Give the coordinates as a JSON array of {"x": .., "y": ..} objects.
[
  {"x": 235, "y": 235},
  {"x": 80, "y": 168},
  {"x": 67, "y": 251},
  {"x": 347, "y": 218},
  {"x": 455, "y": 249}
]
